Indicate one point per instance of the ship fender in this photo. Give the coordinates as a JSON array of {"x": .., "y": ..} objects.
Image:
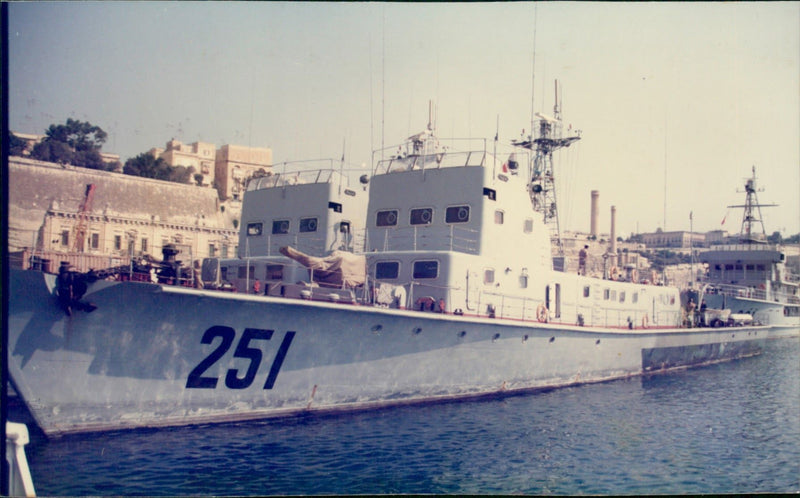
[
  {"x": 542, "y": 313},
  {"x": 399, "y": 296}
]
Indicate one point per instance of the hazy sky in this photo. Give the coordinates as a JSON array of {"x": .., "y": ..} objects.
[{"x": 695, "y": 93}]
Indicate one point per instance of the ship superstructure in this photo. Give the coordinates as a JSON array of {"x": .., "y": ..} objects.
[{"x": 751, "y": 275}]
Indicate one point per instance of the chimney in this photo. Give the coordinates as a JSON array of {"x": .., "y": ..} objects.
[
  {"x": 593, "y": 225},
  {"x": 613, "y": 247}
]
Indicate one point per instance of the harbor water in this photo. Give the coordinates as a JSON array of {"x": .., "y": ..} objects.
[{"x": 732, "y": 427}]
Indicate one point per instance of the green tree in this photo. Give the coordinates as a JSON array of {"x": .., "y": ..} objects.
[
  {"x": 76, "y": 142},
  {"x": 148, "y": 166},
  {"x": 16, "y": 145}
]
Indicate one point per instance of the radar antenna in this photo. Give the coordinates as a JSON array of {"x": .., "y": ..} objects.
[
  {"x": 542, "y": 185},
  {"x": 752, "y": 212}
]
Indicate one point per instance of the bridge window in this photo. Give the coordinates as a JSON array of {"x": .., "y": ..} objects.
[
  {"x": 488, "y": 276},
  {"x": 254, "y": 229},
  {"x": 274, "y": 272},
  {"x": 387, "y": 269},
  {"x": 606, "y": 294},
  {"x": 635, "y": 298},
  {"x": 622, "y": 296},
  {"x": 457, "y": 214},
  {"x": 421, "y": 216},
  {"x": 586, "y": 291},
  {"x": 426, "y": 269},
  {"x": 528, "y": 226},
  {"x": 280, "y": 226},
  {"x": 308, "y": 225},
  {"x": 387, "y": 218},
  {"x": 243, "y": 271}
]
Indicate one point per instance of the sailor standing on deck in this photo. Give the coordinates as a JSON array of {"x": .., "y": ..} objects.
[
  {"x": 582, "y": 261},
  {"x": 257, "y": 287}
]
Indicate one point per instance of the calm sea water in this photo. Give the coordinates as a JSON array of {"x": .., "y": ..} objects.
[{"x": 727, "y": 428}]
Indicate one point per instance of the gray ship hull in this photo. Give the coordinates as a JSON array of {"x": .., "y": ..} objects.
[{"x": 159, "y": 355}]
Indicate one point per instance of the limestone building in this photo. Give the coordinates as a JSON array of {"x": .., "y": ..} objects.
[
  {"x": 52, "y": 209},
  {"x": 235, "y": 164}
]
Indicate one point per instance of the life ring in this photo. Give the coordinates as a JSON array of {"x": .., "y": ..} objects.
[
  {"x": 541, "y": 313},
  {"x": 645, "y": 321},
  {"x": 425, "y": 216},
  {"x": 312, "y": 225},
  {"x": 463, "y": 214}
]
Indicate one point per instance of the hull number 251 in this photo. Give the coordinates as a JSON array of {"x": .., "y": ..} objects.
[{"x": 233, "y": 380}]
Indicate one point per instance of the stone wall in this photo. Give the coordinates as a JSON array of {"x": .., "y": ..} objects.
[{"x": 45, "y": 199}]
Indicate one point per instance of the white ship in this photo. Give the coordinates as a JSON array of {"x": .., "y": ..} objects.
[
  {"x": 751, "y": 276},
  {"x": 430, "y": 280}
]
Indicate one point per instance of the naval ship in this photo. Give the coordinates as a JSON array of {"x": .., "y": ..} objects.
[{"x": 430, "y": 279}]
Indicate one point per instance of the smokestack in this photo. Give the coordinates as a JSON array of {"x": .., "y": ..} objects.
[
  {"x": 593, "y": 224},
  {"x": 613, "y": 249}
]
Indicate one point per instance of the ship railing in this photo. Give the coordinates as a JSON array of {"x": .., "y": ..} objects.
[
  {"x": 300, "y": 173},
  {"x": 315, "y": 246},
  {"x": 744, "y": 247},
  {"x": 456, "y": 238},
  {"x": 741, "y": 291},
  {"x": 435, "y": 153}
]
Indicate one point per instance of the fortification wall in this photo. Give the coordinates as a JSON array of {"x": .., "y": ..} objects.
[{"x": 36, "y": 187}]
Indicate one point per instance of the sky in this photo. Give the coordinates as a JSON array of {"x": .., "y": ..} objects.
[{"x": 676, "y": 102}]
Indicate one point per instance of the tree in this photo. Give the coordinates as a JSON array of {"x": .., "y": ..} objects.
[
  {"x": 16, "y": 145},
  {"x": 76, "y": 142},
  {"x": 148, "y": 166},
  {"x": 775, "y": 238}
]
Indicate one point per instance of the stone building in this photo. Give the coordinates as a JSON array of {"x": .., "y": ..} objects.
[
  {"x": 681, "y": 239},
  {"x": 235, "y": 164},
  {"x": 227, "y": 169},
  {"x": 199, "y": 155},
  {"x": 50, "y": 208}
]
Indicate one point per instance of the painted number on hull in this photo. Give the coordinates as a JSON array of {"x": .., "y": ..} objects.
[{"x": 233, "y": 380}]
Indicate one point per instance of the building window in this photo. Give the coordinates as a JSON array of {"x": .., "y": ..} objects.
[
  {"x": 421, "y": 216},
  {"x": 254, "y": 229},
  {"x": 212, "y": 251},
  {"x": 457, "y": 214},
  {"x": 65, "y": 238},
  {"x": 94, "y": 240},
  {"x": 118, "y": 242},
  {"x": 498, "y": 217},
  {"x": 224, "y": 251},
  {"x": 426, "y": 269},
  {"x": 308, "y": 225},
  {"x": 387, "y": 218},
  {"x": 387, "y": 269},
  {"x": 280, "y": 226},
  {"x": 144, "y": 245}
]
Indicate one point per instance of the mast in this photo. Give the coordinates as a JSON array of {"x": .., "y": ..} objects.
[
  {"x": 542, "y": 185},
  {"x": 752, "y": 212}
]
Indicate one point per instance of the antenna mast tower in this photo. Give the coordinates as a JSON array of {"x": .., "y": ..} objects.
[
  {"x": 752, "y": 212},
  {"x": 542, "y": 185}
]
